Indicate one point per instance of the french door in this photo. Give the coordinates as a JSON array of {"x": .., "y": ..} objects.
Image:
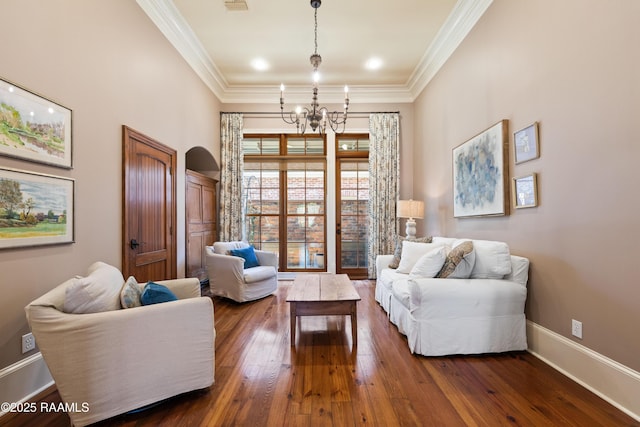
[{"x": 352, "y": 203}]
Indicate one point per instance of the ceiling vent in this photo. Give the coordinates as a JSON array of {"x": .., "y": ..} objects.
[{"x": 234, "y": 5}]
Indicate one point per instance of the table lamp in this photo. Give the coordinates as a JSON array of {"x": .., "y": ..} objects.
[{"x": 411, "y": 209}]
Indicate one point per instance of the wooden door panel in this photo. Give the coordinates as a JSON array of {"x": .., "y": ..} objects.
[{"x": 149, "y": 249}]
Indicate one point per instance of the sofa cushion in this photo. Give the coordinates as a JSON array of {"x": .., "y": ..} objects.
[
  {"x": 459, "y": 261},
  {"x": 99, "y": 291},
  {"x": 397, "y": 254},
  {"x": 223, "y": 248},
  {"x": 154, "y": 293},
  {"x": 493, "y": 260},
  {"x": 130, "y": 294},
  {"x": 519, "y": 270},
  {"x": 248, "y": 254},
  {"x": 429, "y": 264},
  {"x": 256, "y": 274},
  {"x": 411, "y": 253}
]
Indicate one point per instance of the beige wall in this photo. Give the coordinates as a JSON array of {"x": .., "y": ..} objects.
[
  {"x": 573, "y": 66},
  {"x": 107, "y": 62}
]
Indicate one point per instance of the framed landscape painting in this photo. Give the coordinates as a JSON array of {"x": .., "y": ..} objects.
[
  {"x": 34, "y": 128},
  {"x": 35, "y": 209},
  {"x": 480, "y": 174}
]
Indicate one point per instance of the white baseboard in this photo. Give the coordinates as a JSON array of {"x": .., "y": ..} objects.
[
  {"x": 24, "y": 379},
  {"x": 610, "y": 380}
]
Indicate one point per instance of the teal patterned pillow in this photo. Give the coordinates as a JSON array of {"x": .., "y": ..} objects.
[{"x": 130, "y": 294}]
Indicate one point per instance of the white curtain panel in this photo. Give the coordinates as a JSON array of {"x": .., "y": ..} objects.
[
  {"x": 231, "y": 211},
  {"x": 384, "y": 162}
]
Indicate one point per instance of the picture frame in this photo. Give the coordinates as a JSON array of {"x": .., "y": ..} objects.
[
  {"x": 33, "y": 127},
  {"x": 526, "y": 145},
  {"x": 525, "y": 191},
  {"x": 35, "y": 209},
  {"x": 480, "y": 174}
]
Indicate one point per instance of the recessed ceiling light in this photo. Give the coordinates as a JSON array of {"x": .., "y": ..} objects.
[
  {"x": 373, "y": 63},
  {"x": 260, "y": 64}
]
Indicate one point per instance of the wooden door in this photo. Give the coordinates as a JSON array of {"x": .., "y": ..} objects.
[
  {"x": 149, "y": 208},
  {"x": 201, "y": 221}
]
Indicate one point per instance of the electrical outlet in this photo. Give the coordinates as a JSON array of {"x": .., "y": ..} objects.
[
  {"x": 28, "y": 342},
  {"x": 576, "y": 328}
]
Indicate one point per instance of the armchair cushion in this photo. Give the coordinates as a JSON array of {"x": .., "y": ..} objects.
[
  {"x": 249, "y": 256},
  {"x": 99, "y": 291},
  {"x": 262, "y": 272},
  {"x": 154, "y": 293},
  {"x": 224, "y": 248}
]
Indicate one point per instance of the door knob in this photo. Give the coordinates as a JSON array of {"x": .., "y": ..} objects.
[{"x": 134, "y": 243}]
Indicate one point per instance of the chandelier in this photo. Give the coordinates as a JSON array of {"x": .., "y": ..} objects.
[{"x": 315, "y": 116}]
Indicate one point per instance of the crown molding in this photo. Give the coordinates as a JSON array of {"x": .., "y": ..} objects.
[
  {"x": 462, "y": 19},
  {"x": 165, "y": 15}
]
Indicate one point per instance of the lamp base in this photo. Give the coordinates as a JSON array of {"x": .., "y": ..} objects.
[{"x": 410, "y": 229}]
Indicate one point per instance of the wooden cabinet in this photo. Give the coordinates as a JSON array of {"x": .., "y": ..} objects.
[{"x": 202, "y": 219}]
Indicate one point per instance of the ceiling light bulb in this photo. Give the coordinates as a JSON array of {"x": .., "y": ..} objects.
[
  {"x": 259, "y": 64},
  {"x": 373, "y": 64}
]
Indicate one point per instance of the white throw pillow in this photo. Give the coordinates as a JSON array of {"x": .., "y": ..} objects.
[
  {"x": 429, "y": 264},
  {"x": 493, "y": 260},
  {"x": 411, "y": 253},
  {"x": 99, "y": 291},
  {"x": 223, "y": 248}
]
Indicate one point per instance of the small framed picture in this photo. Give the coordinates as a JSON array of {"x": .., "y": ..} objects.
[
  {"x": 526, "y": 145},
  {"x": 525, "y": 191}
]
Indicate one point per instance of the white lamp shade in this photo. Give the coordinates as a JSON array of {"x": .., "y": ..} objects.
[{"x": 410, "y": 209}]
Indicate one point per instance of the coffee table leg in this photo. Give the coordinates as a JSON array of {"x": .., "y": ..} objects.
[
  {"x": 354, "y": 324},
  {"x": 292, "y": 308}
]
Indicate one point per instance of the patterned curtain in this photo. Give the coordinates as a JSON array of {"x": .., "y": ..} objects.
[
  {"x": 384, "y": 161},
  {"x": 231, "y": 212}
]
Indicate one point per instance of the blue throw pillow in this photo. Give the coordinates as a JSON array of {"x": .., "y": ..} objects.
[
  {"x": 249, "y": 255},
  {"x": 154, "y": 293}
]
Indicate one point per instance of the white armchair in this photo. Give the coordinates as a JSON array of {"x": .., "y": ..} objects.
[
  {"x": 120, "y": 360},
  {"x": 228, "y": 278}
]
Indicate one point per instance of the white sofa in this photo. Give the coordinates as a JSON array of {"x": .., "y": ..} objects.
[
  {"x": 483, "y": 313},
  {"x": 229, "y": 278},
  {"x": 110, "y": 362}
]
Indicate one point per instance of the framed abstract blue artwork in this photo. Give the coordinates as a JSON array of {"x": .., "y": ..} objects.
[{"x": 480, "y": 174}]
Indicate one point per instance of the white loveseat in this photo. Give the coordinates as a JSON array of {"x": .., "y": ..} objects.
[{"x": 478, "y": 309}]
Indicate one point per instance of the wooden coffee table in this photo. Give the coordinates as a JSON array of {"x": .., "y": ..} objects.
[{"x": 323, "y": 294}]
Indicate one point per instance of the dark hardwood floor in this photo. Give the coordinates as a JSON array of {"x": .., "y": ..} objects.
[{"x": 261, "y": 380}]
